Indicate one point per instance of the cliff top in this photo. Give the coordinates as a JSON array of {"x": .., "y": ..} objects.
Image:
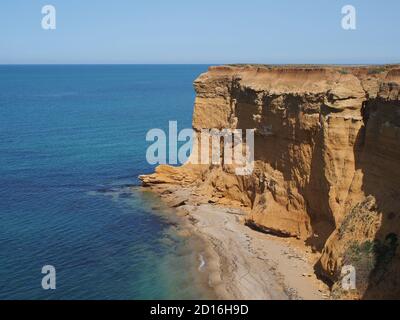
[
  {"x": 343, "y": 69},
  {"x": 343, "y": 80},
  {"x": 312, "y": 66}
]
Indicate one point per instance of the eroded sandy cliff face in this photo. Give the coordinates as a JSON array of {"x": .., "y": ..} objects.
[{"x": 327, "y": 156}]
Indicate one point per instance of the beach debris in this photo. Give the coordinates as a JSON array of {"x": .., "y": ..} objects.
[{"x": 179, "y": 204}]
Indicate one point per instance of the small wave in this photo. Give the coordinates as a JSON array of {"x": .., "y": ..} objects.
[
  {"x": 56, "y": 95},
  {"x": 202, "y": 262}
]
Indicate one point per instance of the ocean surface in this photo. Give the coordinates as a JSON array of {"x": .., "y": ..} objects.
[{"x": 72, "y": 144}]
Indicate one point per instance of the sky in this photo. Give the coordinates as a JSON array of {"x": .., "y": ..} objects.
[{"x": 192, "y": 31}]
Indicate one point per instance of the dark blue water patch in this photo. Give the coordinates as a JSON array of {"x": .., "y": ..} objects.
[{"x": 72, "y": 143}]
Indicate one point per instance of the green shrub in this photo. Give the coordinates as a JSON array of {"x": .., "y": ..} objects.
[
  {"x": 371, "y": 259},
  {"x": 376, "y": 70}
]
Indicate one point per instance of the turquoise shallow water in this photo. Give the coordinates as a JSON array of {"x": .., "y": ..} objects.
[{"x": 72, "y": 143}]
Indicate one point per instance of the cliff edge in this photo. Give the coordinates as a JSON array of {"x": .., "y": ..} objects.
[{"x": 327, "y": 156}]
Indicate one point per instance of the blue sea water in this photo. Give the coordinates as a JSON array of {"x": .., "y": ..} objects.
[{"x": 72, "y": 143}]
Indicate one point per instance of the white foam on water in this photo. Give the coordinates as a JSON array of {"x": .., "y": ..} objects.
[{"x": 202, "y": 262}]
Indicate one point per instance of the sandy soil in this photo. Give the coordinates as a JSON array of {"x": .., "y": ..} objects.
[{"x": 242, "y": 263}]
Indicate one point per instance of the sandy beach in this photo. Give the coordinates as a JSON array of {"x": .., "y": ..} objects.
[{"x": 242, "y": 263}]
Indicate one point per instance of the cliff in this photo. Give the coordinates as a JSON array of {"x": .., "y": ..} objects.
[{"x": 327, "y": 156}]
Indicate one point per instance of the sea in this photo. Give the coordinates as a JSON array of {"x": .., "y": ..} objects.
[{"x": 72, "y": 145}]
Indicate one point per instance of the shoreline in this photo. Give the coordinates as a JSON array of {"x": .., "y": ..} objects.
[{"x": 241, "y": 263}]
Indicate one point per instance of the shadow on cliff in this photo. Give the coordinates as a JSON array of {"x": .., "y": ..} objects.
[
  {"x": 317, "y": 198},
  {"x": 377, "y": 156}
]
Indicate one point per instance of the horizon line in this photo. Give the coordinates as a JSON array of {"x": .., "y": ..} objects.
[{"x": 177, "y": 64}]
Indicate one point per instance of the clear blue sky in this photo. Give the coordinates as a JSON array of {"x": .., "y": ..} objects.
[{"x": 193, "y": 31}]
